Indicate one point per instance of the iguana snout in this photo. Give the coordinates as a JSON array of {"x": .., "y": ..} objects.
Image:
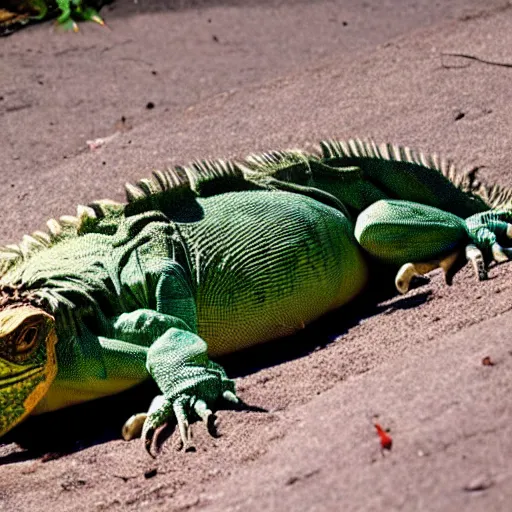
[{"x": 28, "y": 363}]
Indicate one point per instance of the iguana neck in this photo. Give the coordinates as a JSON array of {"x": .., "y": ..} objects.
[{"x": 69, "y": 276}]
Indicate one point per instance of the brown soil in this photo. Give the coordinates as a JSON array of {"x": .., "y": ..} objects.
[{"x": 168, "y": 82}]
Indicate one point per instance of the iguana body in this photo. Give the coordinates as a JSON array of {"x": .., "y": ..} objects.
[
  {"x": 14, "y": 14},
  {"x": 216, "y": 257}
]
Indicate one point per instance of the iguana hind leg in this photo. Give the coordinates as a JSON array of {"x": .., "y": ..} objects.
[
  {"x": 398, "y": 232},
  {"x": 419, "y": 238}
]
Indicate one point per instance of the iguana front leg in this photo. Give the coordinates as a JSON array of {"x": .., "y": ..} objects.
[
  {"x": 177, "y": 360},
  {"x": 191, "y": 384},
  {"x": 176, "y": 357}
]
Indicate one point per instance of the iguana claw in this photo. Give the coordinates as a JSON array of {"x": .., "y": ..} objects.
[
  {"x": 407, "y": 271},
  {"x": 475, "y": 257},
  {"x": 501, "y": 254},
  {"x": 97, "y": 19},
  {"x": 145, "y": 425}
]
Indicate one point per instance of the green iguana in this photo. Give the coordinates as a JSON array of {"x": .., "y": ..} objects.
[
  {"x": 211, "y": 258},
  {"x": 16, "y": 13}
]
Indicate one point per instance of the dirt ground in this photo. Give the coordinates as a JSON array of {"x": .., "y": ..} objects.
[{"x": 168, "y": 82}]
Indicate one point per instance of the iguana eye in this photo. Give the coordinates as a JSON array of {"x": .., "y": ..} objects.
[{"x": 27, "y": 340}]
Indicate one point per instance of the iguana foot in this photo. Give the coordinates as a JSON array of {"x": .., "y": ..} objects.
[
  {"x": 183, "y": 409},
  {"x": 488, "y": 232},
  {"x": 476, "y": 257},
  {"x": 17, "y": 14}
]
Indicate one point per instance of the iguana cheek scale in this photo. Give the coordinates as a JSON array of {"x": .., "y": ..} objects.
[
  {"x": 214, "y": 257},
  {"x": 27, "y": 370}
]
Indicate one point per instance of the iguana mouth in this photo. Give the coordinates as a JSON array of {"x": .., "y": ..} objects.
[{"x": 21, "y": 376}]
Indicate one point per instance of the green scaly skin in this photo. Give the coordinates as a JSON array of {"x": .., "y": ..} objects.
[{"x": 216, "y": 257}]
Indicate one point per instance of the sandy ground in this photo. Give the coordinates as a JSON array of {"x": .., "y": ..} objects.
[{"x": 173, "y": 81}]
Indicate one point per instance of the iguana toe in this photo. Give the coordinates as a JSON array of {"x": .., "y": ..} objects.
[
  {"x": 157, "y": 418},
  {"x": 68, "y": 24},
  {"x": 132, "y": 429},
  {"x": 203, "y": 411},
  {"x": 501, "y": 254},
  {"x": 182, "y": 418},
  {"x": 181, "y": 409},
  {"x": 90, "y": 14},
  {"x": 475, "y": 257},
  {"x": 408, "y": 271},
  {"x": 229, "y": 396}
]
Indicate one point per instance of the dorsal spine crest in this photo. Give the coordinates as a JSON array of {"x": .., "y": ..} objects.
[{"x": 208, "y": 177}]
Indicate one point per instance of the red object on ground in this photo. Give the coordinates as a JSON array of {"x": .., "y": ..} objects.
[{"x": 385, "y": 439}]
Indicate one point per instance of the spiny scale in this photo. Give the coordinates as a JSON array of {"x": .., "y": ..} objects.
[
  {"x": 57, "y": 229},
  {"x": 254, "y": 168},
  {"x": 496, "y": 196},
  {"x": 275, "y": 160},
  {"x": 190, "y": 177},
  {"x": 356, "y": 148}
]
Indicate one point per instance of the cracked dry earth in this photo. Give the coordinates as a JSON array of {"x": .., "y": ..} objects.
[{"x": 225, "y": 79}]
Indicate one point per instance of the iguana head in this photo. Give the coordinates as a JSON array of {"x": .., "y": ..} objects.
[{"x": 28, "y": 363}]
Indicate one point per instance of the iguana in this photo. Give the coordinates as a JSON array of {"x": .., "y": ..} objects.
[
  {"x": 14, "y": 14},
  {"x": 210, "y": 258}
]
